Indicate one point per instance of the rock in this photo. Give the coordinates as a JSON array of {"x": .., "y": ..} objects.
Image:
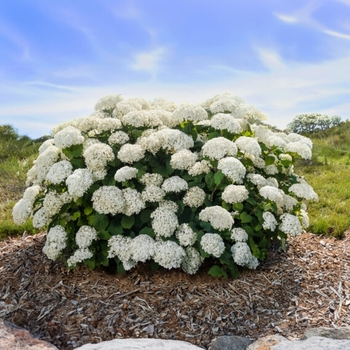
[
  {"x": 13, "y": 337},
  {"x": 227, "y": 342},
  {"x": 266, "y": 343},
  {"x": 314, "y": 343},
  {"x": 140, "y": 344},
  {"x": 334, "y": 333}
]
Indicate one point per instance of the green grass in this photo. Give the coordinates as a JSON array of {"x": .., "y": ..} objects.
[{"x": 329, "y": 174}]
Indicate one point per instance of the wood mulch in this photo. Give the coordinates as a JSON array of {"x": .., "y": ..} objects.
[{"x": 307, "y": 286}]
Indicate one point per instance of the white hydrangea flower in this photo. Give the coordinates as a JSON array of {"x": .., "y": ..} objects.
[
  {"x": 142, "y": 248},
  {"x": 129, "y": 264},
  {"x": 59, "y": 172},
  {"x": 271, "y": 169},
  {"x": 150, "y": 143},
  {"x": 85, "y": 236},
  {"x": 52, "y": 203},
  {"x": 189, "y": 112},
  {"x": 185, "y": 235},
  {"x": 108, "y": 124},
  {"x": 289, "y": 202},
  {"x": 242, "y": 255},
  {"x": 136, "y": 119},
  {"x": 192, "y": 261},
  {"x": 272, "y": 181},
  {"x": 45, "y": 145},
  {"x": 262, "y": 133},
  {"x": 183, "y": 159},
  {"x": 248, "y": 145},
  {"x": 108, "y": 200},
  {"x": 222, "y": 121},
  {"x": 198, "y": 168},
  {"x": 235, "y": 194},
  {"x": 290, "y": 224},
  {"x": 238, "y": 234},
  {"x": 270, "y": 221},
  {"x": 89, "y": 142},
  {"x": 174, "y": 184},
  {"x": 213, "y": 244},
  {"x": 194, "y": 197},
  {"x": 68, "y": 136},
  {"x": 56, "y": 241},
  {"x": 285, "y": 156},
  {"x": 164, "y": 222},
  {"x": 225, "y": 103},
  {"x": 119, "y": 138},
  {"x": 170, "y": 205},
  {"x": 218, "y": 217},
  {"x": 300, "y": 148},
  {"x": 97, "y": 156},
  {"x": 31, "y": 193},
  {"x": 40, "y": 219},
  {"x": 303, "y": 190},
  {"x": 258, "y": 180},
  {"x": 126, "y": 106},
  {"x": 152, "y": 193},
  {"x": 130, "y": 153},
  {"x": 249, "y": 112},
  {"x": 232, "y": 168},
  {"x": 119, "y": 246},
  {"x": 108, "y": 102},
  {"x": 293, "y": 137},
  {"x": 273, "y": 194},
  {"x": 174, "y": 140},
  {"x": 168, "y": 254},
  {"x": 133, "y": 201},
  {"x": 125, "y": 173},
  {"x": 218, "y": 148},
  {"x": 151, "y": 179},
  {"x": 79, "y": 182},
  {"x": 276, "y": 141},
  {"x": 21, "y": 211},
  {"x": 79, "y": 256}
]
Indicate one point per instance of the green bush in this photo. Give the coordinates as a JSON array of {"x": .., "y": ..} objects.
[{"x": 140, "y": 180}]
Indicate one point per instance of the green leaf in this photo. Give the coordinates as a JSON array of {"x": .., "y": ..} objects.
[
  {"x": 269, "y": 160},
  {"x": 127, "y": 221},
  {"x": 147, "y": 231},
  {"x": 209, "y": 180},
  {"x": 226, "y": 206},
  {"x": 218, "y": 177},
  {"x": 115, "y": 228},
  {"x": 76, "y": 215},
  {"x": 88, "y": 210},
  {"x": 212, "y": 135},
  {"x": 217, "y": 271},
  {"x": 238, "y": 206},
  {"x": 91, "y": 263},
  {"x": 258, "y": 227},
  {"x": 254, "y": 248},
  {"x": 245, "y": 217},
  {"x": 98, "y": 221},
  {"x": 145, "y": 216},
  {"x": 104, "y": 235}
]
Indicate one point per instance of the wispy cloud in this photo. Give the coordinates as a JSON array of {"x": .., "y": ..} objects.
[
  {"x": 286, "y": 18},
  {"x": 270, "y": 58},
  {"x": 148, "y": 61},
  {"x": 337, "y": 34}
]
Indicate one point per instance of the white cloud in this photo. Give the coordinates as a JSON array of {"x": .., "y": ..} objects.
[
  {"x": 337, "y": 34},
  {"x": 270, "y": 58},
  {"x": 286, "y": 18},
  {"x": 148, "y": 61}
]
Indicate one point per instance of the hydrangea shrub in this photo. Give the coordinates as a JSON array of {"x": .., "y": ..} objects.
[{"x": 139, "y": 180}]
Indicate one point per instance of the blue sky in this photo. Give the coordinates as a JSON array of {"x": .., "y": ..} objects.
[{"x": 59, "y": 57}]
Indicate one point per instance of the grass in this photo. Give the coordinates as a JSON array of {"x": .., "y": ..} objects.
[{"x": 328, "y": 173}]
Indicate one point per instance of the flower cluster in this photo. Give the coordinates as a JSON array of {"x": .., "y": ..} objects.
[{"x": 141, "y": 180}]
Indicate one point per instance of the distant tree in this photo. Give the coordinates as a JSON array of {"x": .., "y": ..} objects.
[{"x": 306, "y": 123}]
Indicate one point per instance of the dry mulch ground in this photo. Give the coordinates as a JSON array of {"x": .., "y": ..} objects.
[{"x": 307, "y": 286}]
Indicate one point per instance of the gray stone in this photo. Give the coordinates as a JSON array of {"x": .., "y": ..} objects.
[
  {"x": 13, "y": 337},
  {"x": 140, "y": 344},
  {"x": 267, "y": 342},
  {"x": 334, "y": 333},
  {"x": 227, "y": 342},
  {"x": 314, "y": 343}
]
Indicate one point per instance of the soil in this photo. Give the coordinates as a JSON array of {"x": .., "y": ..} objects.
[{"x": 307, "y": 286}]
